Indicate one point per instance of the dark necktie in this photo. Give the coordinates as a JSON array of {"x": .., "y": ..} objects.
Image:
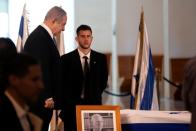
[
  {"x": 54, "y": 40},
  {"x": 86, "y": 66},
  {"x": 86, "y": 73},
  {"x": 30, "y": 123}
]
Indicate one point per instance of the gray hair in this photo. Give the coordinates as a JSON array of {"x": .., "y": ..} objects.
[
  {"x": 55, "y": 13},
  {"x": 96, "y": 117}
]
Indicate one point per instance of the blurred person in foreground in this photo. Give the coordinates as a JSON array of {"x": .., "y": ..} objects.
[
  {"x": 189, "y": 90},
  {"x": 42, "y": 45},
  {"x": 97, "y": 122},
  {"x": 22, "y": 81}
]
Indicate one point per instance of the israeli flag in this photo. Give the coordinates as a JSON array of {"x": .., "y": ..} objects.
[
  {"x": 143, "y": 92},
  {"x": 23, "y": 30}
]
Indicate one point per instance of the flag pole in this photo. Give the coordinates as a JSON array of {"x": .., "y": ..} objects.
[{"x": 141, "y": 32}]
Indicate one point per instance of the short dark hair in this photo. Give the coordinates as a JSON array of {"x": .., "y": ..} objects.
[
  {"x": 83, "y": 27},
  {"x": 7, "y": 49},
  {"x": 7, "y": 53},
  {"x": 18, "y": 66}
]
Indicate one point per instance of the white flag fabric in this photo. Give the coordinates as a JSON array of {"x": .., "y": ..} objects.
[
  {"x": 60, "y": 43},
  {"x": 143, "y": 92},
  {"x": 154, "y": 117},
  {"x": 23, "y": 30}
]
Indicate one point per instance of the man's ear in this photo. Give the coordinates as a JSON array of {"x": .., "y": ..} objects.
[
  {"x": 13, "y": 80},
  {"x": 53, "y": 20},
  {"x": 76, "y": 38}
]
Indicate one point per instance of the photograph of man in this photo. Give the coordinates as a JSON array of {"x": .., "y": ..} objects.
[{"x": 97, "y": 122}]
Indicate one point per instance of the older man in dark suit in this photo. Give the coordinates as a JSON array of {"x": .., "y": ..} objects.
[
  {"x": 41, "y": 44},
  {"x": 85, "y": 76}
]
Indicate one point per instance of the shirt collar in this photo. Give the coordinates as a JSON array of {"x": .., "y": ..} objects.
[
  {"x": 48, "y": 30},
  {"x": 19, "y": 110},
  {"x": 82, "y": 54}
]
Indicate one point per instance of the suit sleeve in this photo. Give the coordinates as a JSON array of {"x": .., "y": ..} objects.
[
  {"x": 36, "y": 48},
  {"x": 105, "y": 73}
]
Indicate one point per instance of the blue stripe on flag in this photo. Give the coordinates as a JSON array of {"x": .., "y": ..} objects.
[
  {"x": 132, "y": 102},
  {"x": 21, "y": 27},
  {"x": 148, "y": 92}
]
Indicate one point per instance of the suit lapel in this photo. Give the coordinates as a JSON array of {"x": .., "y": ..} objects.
[
  {"x": 52, "y": 44},
  {"x": 77, "y": 62},
  {"x": 11, "y": 113},
  {"x": 93, "y": 61}
]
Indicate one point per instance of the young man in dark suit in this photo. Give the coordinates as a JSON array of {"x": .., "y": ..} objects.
[
  {"x": 22, "y": 81},
  {"x": 41, "y": 44},
  {"x": 79, "y": 87}
]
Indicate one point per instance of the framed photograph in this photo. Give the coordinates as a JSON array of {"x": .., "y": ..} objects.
[{"x": 98, "y": 118}]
